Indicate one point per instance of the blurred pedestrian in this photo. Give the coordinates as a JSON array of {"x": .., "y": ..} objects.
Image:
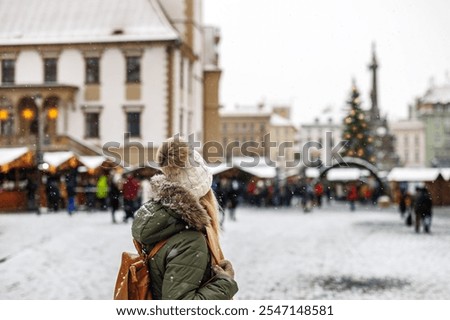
[
  {"x": 114, "y": 198},
  {"x": 423, "y": 209},
  {"x": 130, "y": 197},
  {"x": 251, "y": 192},
  {"x": 31, "y": 189},
  {"x": 318, "y": 190},
  {"x": 53, "y": 194},
  {"x": 102, "y": 191},
  {"x": 71, "y": 185},
  {"x": 328, "y": 194},
  {"x": 307, "y": 197},
  {"x": 352, "y": 196},
  {"x": 218, "y": 187},
  {"x": 402, "y": 203},
  {"x": 89, "y": 191},
  {"x": 409, "y": 209},
  {"x": 233, "y": 198}
]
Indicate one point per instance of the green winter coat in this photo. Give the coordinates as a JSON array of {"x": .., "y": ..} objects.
[{"x": 182, "y": 267}]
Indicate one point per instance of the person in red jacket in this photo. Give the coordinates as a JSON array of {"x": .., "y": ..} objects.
[
  {"x": 352, "y": 196},
  {"x": 130, "y": 197},
  {"x": 318, "y": 190}
]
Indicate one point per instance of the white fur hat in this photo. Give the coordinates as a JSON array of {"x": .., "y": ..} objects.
[{"x": 185, "y": 166}]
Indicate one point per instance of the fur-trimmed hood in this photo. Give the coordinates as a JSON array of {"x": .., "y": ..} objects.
[
  {"x": 179, "y": 199},
  {"x": 171, "y": 209}
]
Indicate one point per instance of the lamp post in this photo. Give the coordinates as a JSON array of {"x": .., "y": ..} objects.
[{"x": 39, "y": 156}]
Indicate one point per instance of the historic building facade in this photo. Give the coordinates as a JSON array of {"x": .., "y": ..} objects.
[
  {"x": 260, "y": 130},
  {"x": 410, "y": 142},
  {"x": 325, "y": 133},
  {"x": 114, "y": 77},
  {"x": 433, "y": 109}
]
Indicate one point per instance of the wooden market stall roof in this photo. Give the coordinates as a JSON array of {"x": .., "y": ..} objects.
[
  {"x": 413, "y": 174},
  {"x": 11, "y": 158}
]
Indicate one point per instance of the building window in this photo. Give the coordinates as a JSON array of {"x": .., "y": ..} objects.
[
  {"x": 8, "y": 71},
  {"x": 133, "y": 69},
  {"x": 262, "y": 127},
  {"x": 6, "y": 123},
  {"x": 134, "y": 124},
  {"x": 92, "y": 70},
  {"x": 50, "y": 65},
  {"x": 92, "y": 124}
]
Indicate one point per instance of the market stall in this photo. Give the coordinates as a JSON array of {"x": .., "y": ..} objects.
[{"x": 15, "y": 164}]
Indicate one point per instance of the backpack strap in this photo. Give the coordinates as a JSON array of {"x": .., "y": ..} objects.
[
  {"x": 153, "y": 252},
  {"x": 156, "y": 248}
]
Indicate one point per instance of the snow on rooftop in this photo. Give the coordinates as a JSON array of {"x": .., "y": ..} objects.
[
  {"x": 62, "y": 21},
  {"x": 8, "y": 155},
  {"x": 258, "y": 167},
  {"x": 312, "y": 173},
  {"x": 407, "y": 125},
  {"x": 250, "y": 111},
  {"x": 343, "y": 174},
  {"x": 445, "y": 172},
  {"x": 55, "y": 159},
  {"x": 437, "y": 95},
  {"x": 413, "y": 174},
  {"x": 278, "y": 121},
  {"x": 92, "y": 162},
  {"x": 216, "y": 169}
]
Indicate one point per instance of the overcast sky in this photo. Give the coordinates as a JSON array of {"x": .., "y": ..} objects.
[{"x": 306, "y": 52}]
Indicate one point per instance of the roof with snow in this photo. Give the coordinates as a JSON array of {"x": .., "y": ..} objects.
[
  {"x": 437, "y": 95},
  {"x": 278, "y": 121},
  {"x": 260, "y": 167},
  {"x": 8, "y": 155},
  {"x": 92, "y": 162},
  {"x": 413, "y": 174},
  {"x": 27, "y": 22},
  {"x": 312, "y": 173},
  {"x": 247, "y": 111},
  {"x": 55, "y": 159},
  {"x": 344, "y": 174}
]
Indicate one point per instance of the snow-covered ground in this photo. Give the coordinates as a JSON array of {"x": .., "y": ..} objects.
[{"x": 331, "y": 253}]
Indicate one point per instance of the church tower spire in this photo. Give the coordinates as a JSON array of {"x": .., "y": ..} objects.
[{"x": 374, "y": 110}]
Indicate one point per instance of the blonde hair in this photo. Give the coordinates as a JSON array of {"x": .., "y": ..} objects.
[{"x": 209, "y": 202}]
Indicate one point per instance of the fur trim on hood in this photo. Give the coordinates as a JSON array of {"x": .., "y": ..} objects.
[{"x": 179, "y": 199}]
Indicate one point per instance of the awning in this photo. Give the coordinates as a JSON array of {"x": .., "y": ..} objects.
[
  {"x": 413, "y": 174},
  {"x": 60, "y": 159},
  {"x": 92, "y": 162},
  {"x": 222, "y": 167},
  {"x": 264, "y": 172},
  {"x": 343, "y": 174},
  {"x": 14, "y": 158},
  {"x": 445, "y": 172},
  {"x": 312, "y": 173}
]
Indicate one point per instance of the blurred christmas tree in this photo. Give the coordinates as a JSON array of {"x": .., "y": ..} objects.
[{"x": 356, "y": 131}]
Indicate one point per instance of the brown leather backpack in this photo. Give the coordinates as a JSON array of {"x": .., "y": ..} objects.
[{"x": 133, "y": 280}]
